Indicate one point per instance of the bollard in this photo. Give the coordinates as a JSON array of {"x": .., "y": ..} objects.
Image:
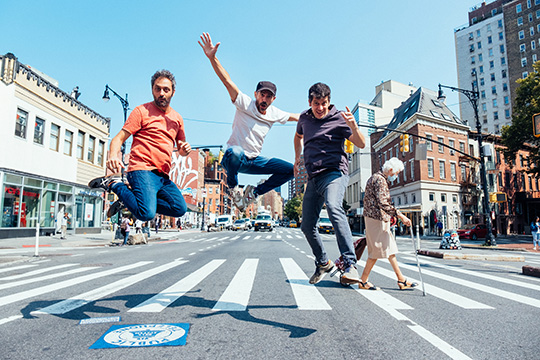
[
  {"x": 417, "y": 236},
  {"x": 36, "y": 251}
]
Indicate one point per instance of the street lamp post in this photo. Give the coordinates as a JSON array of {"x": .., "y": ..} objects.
[
  {"x": 473, "y": 96},
  {"x": 125, "y": 106}
]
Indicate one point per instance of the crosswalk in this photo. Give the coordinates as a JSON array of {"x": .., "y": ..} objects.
[{"x": 448, "y": 284}]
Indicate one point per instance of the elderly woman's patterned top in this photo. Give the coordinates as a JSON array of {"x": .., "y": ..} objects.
[{"x": 377, "y": 202}]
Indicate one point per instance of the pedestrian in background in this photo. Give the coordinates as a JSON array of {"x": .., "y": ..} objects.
[
  {"x": 138, "y": 226},
  {"x": 321, "y": 132},
  {"x": 378, "y": 211},
  {"x": 535, "y": 232},
  {"x": 125, "y": 228},
  {"x": 63, "y": 227}
]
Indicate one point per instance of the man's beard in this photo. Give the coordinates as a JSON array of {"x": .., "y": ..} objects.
[{"x": 161, "y": 102}]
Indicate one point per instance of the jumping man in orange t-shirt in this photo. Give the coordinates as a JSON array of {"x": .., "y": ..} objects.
[{"x": 156, "y": 129}]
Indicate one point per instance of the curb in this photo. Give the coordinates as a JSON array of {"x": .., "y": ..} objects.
[
  {"x": 531, "y": 271},
  {"x": 481, "y": 247},
  {"x": 445, "y": 256}
]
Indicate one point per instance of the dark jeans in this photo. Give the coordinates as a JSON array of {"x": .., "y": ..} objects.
[
  {"x": 235, "y": 161},
  {"x": 126, "y": 236},
  {"x": 328, "y": 188},
  {"x": 150, "y": 193}
]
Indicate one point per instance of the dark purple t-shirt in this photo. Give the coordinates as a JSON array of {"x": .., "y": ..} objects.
[{"x": 324, "y": 141}]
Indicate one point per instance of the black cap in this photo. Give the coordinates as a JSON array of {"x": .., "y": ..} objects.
[{"x": 267, "y": 85}]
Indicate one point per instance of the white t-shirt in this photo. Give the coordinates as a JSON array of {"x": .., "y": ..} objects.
[{"x": 250, "y": 126}]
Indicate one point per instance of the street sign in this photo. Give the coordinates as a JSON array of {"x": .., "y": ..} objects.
[
  {"x": 497, "y": 197},
  {"x": 536, "y": 125},
  {"x": 420, "y": 152}
]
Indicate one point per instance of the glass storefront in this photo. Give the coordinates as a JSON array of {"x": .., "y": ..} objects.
[{"x": 27, "y": 200}]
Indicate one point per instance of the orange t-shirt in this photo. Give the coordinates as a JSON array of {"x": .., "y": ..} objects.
[{"x": 155, "y": 134}]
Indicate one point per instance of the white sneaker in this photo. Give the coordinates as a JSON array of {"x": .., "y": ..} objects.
[
  {"x": 237, "y": 198},
  {"x": 249, "y": 195}
]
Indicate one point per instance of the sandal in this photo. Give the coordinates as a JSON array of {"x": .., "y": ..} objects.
[
  {"x": 406, "y": 285},
  {"x": 367, "y": 286}
]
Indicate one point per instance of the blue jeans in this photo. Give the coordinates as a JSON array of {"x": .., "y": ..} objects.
[
  {"x": 126, "y": 237},
  {"x": 536, "y": 238},
  {"x": 328, "y": 188},
  {"x": 235, "y": 161},
  {"x": 150, "y": 193}
]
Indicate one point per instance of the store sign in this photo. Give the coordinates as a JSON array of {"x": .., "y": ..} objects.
[{"x": 88, "y": 212}]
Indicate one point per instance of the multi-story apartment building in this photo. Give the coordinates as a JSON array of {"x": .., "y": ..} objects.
[
  {"x": 522, "y": 25},
  {"x": 389, "y": 95},
  {"x": 298, "y": 184},
  {"x": 482, "y": 56},
  {"x": 51, "y": 145},
  {"x": 429, "y": 188},
  {"x": 272, "y": 202}
]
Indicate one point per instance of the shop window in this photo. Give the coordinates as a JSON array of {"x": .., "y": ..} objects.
[
  {"x": 29, "y": 207},
  {"x": 21, "y": 123},
  {"x": 47, "y": 216},
  {"x": 11, "y": 206}
]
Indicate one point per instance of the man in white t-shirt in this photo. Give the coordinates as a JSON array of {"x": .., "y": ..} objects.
[{"x": 252, "y": 121}]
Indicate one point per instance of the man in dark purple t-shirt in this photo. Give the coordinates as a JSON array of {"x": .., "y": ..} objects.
[{"x": 322, "y": 131}]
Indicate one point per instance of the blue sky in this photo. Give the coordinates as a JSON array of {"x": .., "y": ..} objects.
[{"x": 350, "y": 45}]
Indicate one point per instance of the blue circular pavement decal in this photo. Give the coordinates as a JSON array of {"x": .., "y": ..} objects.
[{"x": 122, "y": 336}]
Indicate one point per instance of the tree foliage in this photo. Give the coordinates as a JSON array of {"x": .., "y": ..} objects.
[
  {"x": 293, "y": 208},
  {"x": 527, "y": 104}
]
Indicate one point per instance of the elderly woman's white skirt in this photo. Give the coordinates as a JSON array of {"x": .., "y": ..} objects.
[{"x": 380, "y": 241}]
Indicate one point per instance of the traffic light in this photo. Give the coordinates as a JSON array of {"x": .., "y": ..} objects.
[
  {"x": 220, "y": 156},
  {"x": 536, "y": 125},
  {"x": 404, "y": 143},
  {"x": 349, "y": 146}
]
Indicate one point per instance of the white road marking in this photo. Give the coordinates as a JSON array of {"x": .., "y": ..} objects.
[
  {"x": 236, "y": 296},
  {"x": 72, "y": 303},
  {"x": 16, "y": 268},
  {"x": 41, "y": 278},
  {"x": 160, "y": 301},
  {"x": 307, "y": 295},
  {"x": 4, "y": 300},
  {"x": 11, "y": 318},
  {"x": 39, "y": 271}
]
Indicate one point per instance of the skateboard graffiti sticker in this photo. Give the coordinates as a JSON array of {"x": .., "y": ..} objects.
[{"x": 144, "y": 335}]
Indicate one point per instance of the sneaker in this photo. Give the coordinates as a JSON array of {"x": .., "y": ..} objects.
[
  {"x": 350, "y": 276},
  {"x": 237, "y": 197},
  {"x": 115, "y": 208},
  {"x": 321, "y": 271},
  {"x": 249, "y": 195},
  {"x": 105, "y": 182}
]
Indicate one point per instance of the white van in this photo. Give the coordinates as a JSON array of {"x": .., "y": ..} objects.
[{"x": 224, "y": 222}]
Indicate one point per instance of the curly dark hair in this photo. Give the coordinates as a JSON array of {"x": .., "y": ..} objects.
[
  {"x": 166, "y": 74},
  {"x": 319, "y": 91}
]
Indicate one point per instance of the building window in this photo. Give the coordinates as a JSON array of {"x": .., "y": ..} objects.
[
  {"x": 522, "y": 48},
  {"x": 503, "y": 61},
  {"x": 480, "y": 57},
  {"x": 483, "y": 94},
  {"x": 503, "y": 72},
  {"x": 463, "y": 173},
  {"x": 500, "y": 23},
  {"x": 495, "y": 115},
  {"x": 101, "y": 151},
  {"x": 491, "y": 64},
  {"x": 454, "y": 198},
  {"x": 441, "y": 140},
  {"x": 494, "y": 88},
  {"x": 534, "y": 58},
  {"x": 492, "y": 77},
  {"x": 404, "y": 171},
  {"x": 484, "y": 107},
  {"x": 91, "y": 148},
  {"x": 39, "y": 130},
  {"x": 55, "y": 137},
  {"x": 501, "y": 48},
  {"x": 473, "y": 60},
  {"x": 494, "y": 102},
  {"x": 478, "y": 33},
  {"x": 501, "y": 36},
  {"x": 453, "y": 171},
  {"x": 531, "y": 30},
  {"x": 479, "y": 45},
  {"x": 523, "y": 62},
  {"x": 518, "y": 8},
  {"x": 442, "y": 170},
  {"x": 481, "y": 69},
  {"x": 524, "y": 74},
  {"x": 490, "y": 52},
  {"x": 80, "y": 145},
  {"x": 21, "y": 123},
  {"x": 521, "y": 35},
  {"x": 490, "y": 40},
  {"x": 443, "y": 197},
  {"x": 430, "y": 167},
  {"x": 520, "y": 21},
  {"x": 431, "y": 196},
  {"x": 482, "y": 82},
  {"x": 484, "y": 119},
  {"x": 428, "y": 142},
  {"x": 68, "y": 142},
  {"x": 507, "y": 113},
  {"x": 529, "y": 4},
  {"x": 505, "y": 87},
  {"x": 537, "y": 13},
  {"x": 412, "y": 169},
  {"x": 533, "y": 45},
  {"x": 506, "y": 100}
]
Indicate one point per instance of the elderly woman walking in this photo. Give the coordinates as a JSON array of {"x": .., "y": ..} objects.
[{"x": 378, "y": 210}]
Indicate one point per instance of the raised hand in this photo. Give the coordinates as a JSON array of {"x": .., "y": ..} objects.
[
  {"x": 349, "y": 118},
  {"x": 207, "y": 46}
]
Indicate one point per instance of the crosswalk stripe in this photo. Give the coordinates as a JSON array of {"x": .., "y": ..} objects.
[
  {"x": 39, "y": 271},
  {"x": 442, "y": 294},
  {"x": 289, "y": 236},
  {"x": 482, "y": 275},
  {"x": 4, "y": 300},
  {"x": 268, "y": 236},
  {"x": 236, "y": 296},
  {"x": 16, "y": 268},
  {"x": 160, "y": 301},
  {"x": 41, "y": 278},
  {"x": 11, "y": 318},
  {"x": 257, "y": 237},
  {"x": 383, "y": 299},
  {"x": 488, "y": 289},
  {"x": 307, "y": 295},
  {"x": 72, "y": 303},
  {"x": 247, "y": 237}
]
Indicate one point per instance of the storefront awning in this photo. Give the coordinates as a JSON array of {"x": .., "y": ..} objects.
[{"x": 193, "y": 208}]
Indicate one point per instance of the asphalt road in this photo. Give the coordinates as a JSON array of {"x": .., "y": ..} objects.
[{"x": 245, "y": 295}]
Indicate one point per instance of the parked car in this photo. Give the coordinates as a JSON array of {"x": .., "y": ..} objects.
[
  {"x": 292, "y": 224},
  {"x": 240, "y": 224},
  {"x": 264, "y": 222},
  {"x": 474, "y": 231}
]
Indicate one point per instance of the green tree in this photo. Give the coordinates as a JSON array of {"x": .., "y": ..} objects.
[
  {"x": 293, "y": 208},
  {"x": 521, "y": 131}
]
